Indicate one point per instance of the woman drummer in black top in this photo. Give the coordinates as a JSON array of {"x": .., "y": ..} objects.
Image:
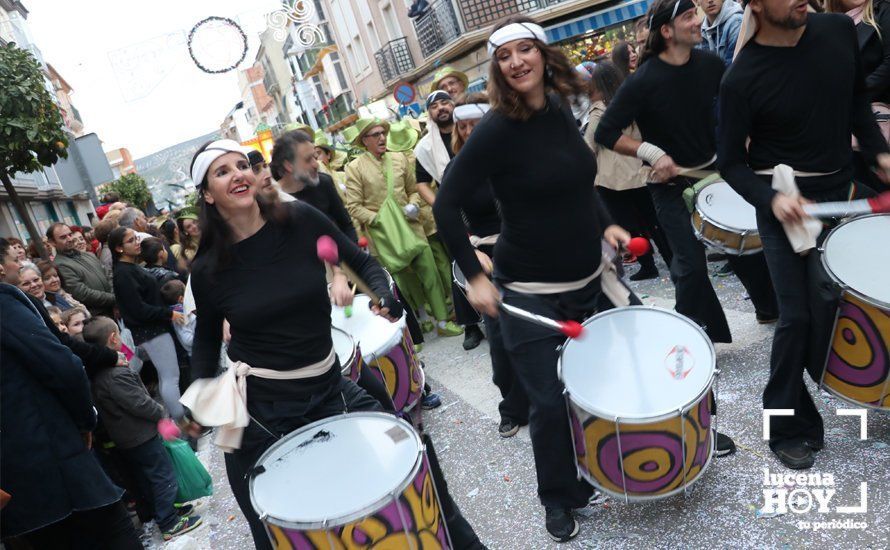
[
  {"x": 483, "y": 223},
  {"x": 548, "y": 257},
  {"x": 257, "y": 267}
]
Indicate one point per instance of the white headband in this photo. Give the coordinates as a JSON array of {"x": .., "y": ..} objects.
[
  {"x": 212, "y": 152},
  {"x": 515, "y": 31},
  {"x": 470, "y": 111}
]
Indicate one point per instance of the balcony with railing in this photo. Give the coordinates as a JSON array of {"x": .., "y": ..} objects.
[
  {"x": 437, "y": 28},
  {"x": 394, "y": 59},
  {"x": 341, "y": 108}
]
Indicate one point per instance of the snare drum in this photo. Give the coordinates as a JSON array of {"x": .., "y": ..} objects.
[
  {"x": 386, "y": 348},
  {"x": 639, "y": 388},
  {"x": 726, "y": 221},
  {"x": 348, "y": 353},
  {"x": 858, "y": 365},
  {"x": 358, "y": 480}
]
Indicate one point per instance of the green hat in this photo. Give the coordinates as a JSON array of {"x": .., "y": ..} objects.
[
  {"x": 349, "y": 133},
  {"x": 445, "y": 72},
  {"x": 364, "y": 125},
  {"x": 402, "y": 137},
  {"x": 340, "y": 159},
  {"x": 321, "y": 140},
  {"x": 300, "y": 126}
]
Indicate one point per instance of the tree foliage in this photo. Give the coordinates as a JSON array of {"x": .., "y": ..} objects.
[
  {"x": 31, "y": 128},
  {"x": 132, "y": 190}
]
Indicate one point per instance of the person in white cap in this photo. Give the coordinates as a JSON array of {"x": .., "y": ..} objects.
[
  {"x": 548, "y": 258},
  {"x": 789, "y": 103}
]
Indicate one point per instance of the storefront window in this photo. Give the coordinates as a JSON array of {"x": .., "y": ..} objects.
[{"x": 597, "y": 45}]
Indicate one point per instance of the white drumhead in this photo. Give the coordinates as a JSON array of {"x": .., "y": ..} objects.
[
  {"x": 334, "y": 468},
  {"x": 344, "y": 345},
  {"x": 375, "y": 335},
  {"x": 857, "y": 255},
  {"x": 625, "y": 363},
  {"x": 720, "y": 202}
]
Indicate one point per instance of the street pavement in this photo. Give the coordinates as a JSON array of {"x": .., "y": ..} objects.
[{"x": 493, "y": 479}]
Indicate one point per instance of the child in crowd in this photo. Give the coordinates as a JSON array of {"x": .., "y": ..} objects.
[
  {"x": 131, "y": 418},
  {"x": 56, "y": 315},
  {"x": 173, "y": 293},
  {"x": 73, "y": 320},
  {"x": 155, "y": 257}
]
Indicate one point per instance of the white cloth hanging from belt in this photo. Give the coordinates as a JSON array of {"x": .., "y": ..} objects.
[
  {"x": 802, "y": 234},
  {"x": 484, "y": 241},
  {"x": 222, "y": 401}
]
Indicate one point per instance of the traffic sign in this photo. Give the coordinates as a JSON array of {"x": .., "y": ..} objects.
[{"x": 404, "y": 93}]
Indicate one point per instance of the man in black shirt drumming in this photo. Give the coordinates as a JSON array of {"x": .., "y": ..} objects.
[
  {"x": 672, "y": 99},
  {"x": 797, "y": 92}
]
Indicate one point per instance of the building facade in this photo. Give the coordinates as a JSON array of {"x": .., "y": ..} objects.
[{"x": 62, "y": 192}]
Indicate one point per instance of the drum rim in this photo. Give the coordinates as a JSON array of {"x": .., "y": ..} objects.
[
  {"x": 352, "y": 516},
  {"x": 722, "y": 246},
  {"x": 837, "y": 280},
  {"x": 596, "y": 411},
  {"x": 347, "y": 364},
  {"x": 714, "y": 222},
  {"x": 454, "y": 269}
]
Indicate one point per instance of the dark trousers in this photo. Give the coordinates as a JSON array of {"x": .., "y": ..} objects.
[
  {"x": 514, "y": 401},
  {"x": 807, "y": 304},
  {"x": 695, "y": 295},
  {"x": 410, "y": 318},
  {"x": 463, "y": 311},
  {"x": 752, "y": 271},
  {"x": 282, "y": 417},
  {"x": 533, "y": 352},
  {"x": 634, "y": 210},
  {"x": 156, "y": 478},
  {"x": 369, "y": 382},
  {"x": 105, "y": 528}
]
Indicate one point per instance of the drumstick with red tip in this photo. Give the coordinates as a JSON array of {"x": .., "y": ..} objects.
[
  {"x": 874, "y": 205},
  {"x": 572, "y": 329},
  {"x": 638, "y": 246},
  {"x": 327, "y": 252}
]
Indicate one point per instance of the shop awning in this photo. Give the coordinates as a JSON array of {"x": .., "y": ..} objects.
[{"x": 629, "y": 9}]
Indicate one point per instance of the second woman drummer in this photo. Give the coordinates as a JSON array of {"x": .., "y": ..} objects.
[{"x": 548, "y": 258}]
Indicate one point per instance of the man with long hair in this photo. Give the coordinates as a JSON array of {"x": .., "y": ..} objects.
[{"x": 792, "y": 97}]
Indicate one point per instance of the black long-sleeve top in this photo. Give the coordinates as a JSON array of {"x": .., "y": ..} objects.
[
  {"x": 324, "y": 197},
  {"x": 274, "y": 295},
  {"x": 138, "y": 297},
  {"x": 542, "y": 175},
  {"x": 875, "y": 51},
  {"x": 799, "y": 106},
  {"x": 673, "y": 106}
]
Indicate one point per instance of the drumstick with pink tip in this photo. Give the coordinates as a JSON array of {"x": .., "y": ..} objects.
[
  {"x": 572, "y": 329},
  {"x": 327, "y": 252},
  {"x": 874, "y": 205}
]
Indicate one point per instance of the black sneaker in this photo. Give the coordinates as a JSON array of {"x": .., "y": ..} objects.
[
  {"x": 815, "y": 445},
  {"x": 725, "y": 445},
  {"x": 797, "y": 456},
  {"x": 182, "y": 526},
  {"x": 643, "y": 274},
  {"x": 767, "y": 318},
  {"x": 430, "y": 401},
  {"x": 508, "y": 428},
  {"x": 184, "y": 509},
  {"x": 472, "y": 337},
  {"x": 561, "y": 525},
  {"x": 724, "y": 271}
]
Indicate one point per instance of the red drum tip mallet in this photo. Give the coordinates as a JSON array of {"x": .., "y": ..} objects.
[
  {"x": 571, "y": 329},
  {"x": 638, "y": 246},
  {"x": 363, "y": 242},
  {"x": 327, "y": 251}
]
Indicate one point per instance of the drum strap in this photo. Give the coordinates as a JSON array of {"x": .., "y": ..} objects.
[{"x": 222, "y": 401}]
